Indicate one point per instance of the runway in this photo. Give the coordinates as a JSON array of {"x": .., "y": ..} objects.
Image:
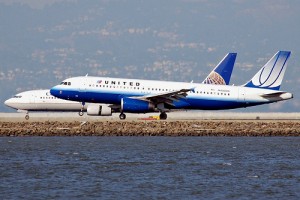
[{"x": 182, "y": 115}]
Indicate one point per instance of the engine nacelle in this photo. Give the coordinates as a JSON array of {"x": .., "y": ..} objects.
[
  {"x": 136, "y": 105},
  {"x": 98, "y": 110}
]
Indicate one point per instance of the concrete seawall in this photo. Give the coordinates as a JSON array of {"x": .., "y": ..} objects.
[
  {"x": 178, "y": 124},
  {"x": 154, "y": 128}
]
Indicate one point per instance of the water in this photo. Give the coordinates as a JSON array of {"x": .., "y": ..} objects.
[{"x": 149, "y": 168}]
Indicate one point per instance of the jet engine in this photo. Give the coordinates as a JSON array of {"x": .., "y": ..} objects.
[
  {"x": 99, "y": 110},
  {"x": 136, "y": 105}
]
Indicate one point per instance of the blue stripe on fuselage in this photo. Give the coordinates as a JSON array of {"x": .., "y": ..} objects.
[
  {"x": 92, "y": 95},
  {"x": 114, "y": 97}
]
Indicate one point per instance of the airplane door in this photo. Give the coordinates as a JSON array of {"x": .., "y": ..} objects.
[
  {"x": 32, "y": 100},
  {"x": 83, "y": 86},
  {"x": 82, "y": 89},
  {"x": 241, "y": 96}
]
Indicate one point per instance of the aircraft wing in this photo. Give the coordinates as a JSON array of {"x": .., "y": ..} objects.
[{"x": 167, "y": 97}]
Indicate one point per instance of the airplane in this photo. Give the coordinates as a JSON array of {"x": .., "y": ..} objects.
[
  {"x": 142, "y": 96},
  {"x": 42, "y": 100}
]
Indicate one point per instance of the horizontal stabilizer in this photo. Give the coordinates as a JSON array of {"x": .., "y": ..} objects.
[{"x": 276, "y": 94}]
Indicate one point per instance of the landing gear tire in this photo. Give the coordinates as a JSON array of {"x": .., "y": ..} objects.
[
  {"x": 81, "y": 110},
  {"x": 122, "y": 116},
  {"x": 163, "y": 116},
  {"x": 27, "y": 117}
]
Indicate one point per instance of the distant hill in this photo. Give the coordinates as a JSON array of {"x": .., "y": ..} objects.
[{"x": 44, "y": 42}]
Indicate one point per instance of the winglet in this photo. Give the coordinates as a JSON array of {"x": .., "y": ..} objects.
[
  {"x": 271, "y": 74},
  {"x": 221, "y": 74}
]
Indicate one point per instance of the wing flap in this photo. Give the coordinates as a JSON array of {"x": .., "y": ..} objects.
[{"x": 167, "y": 97}]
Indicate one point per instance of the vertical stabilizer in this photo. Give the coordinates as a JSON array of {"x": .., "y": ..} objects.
[
  {"x": 221, "y": 74},
  {"x": 271, "y": 74}
]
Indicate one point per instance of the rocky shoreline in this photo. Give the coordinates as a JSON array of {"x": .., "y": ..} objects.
[{"x": 153, "y": 128}]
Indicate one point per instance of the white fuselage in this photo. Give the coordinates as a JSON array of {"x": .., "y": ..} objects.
[
  {"x": 201, "y": 96},
  {"x": 41, "y": 100}
]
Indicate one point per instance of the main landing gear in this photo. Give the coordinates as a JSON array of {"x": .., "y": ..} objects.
[
  {"x": 163, "y": 116},
  {"x": 161, "y": 108},
  {"x": 122, "y": 116}
]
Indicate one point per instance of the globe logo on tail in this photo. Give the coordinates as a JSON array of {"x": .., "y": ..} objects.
[{"x": 215, "y": 79}]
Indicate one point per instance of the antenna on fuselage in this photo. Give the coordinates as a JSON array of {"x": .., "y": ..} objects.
[{"x": 86, "y": 74}]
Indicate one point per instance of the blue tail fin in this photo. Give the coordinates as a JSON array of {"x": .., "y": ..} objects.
[
  {"x": 221, "y": 74},
  {"x": 271, "y": 74}
]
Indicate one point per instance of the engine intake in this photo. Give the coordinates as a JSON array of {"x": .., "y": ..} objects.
[
  {"x": 136, "y": 105},
  {"x": 99, "y": 110}
]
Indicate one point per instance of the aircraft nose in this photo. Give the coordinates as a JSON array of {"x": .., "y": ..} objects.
[
  {"x": 6, "y": 102},
  {"x": 9, "y": 103},
  {"x": 54, "y": 91}
]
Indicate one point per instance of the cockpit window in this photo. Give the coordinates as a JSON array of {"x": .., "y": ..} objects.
[
  {"x": 17, "y": 96},
  {"x": 65, "y": 83}
]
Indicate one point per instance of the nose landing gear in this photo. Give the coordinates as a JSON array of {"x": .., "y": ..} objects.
[
  {"x": 122, "y": 116},
  {"x": 81, "y": 110},
  {"x": 80, "y": 113}
]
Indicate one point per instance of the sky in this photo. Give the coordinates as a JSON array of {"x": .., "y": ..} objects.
[{"x": 45, "y": 41}]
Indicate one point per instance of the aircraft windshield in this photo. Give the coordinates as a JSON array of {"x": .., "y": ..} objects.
[{"x": 65, "y": 83}]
